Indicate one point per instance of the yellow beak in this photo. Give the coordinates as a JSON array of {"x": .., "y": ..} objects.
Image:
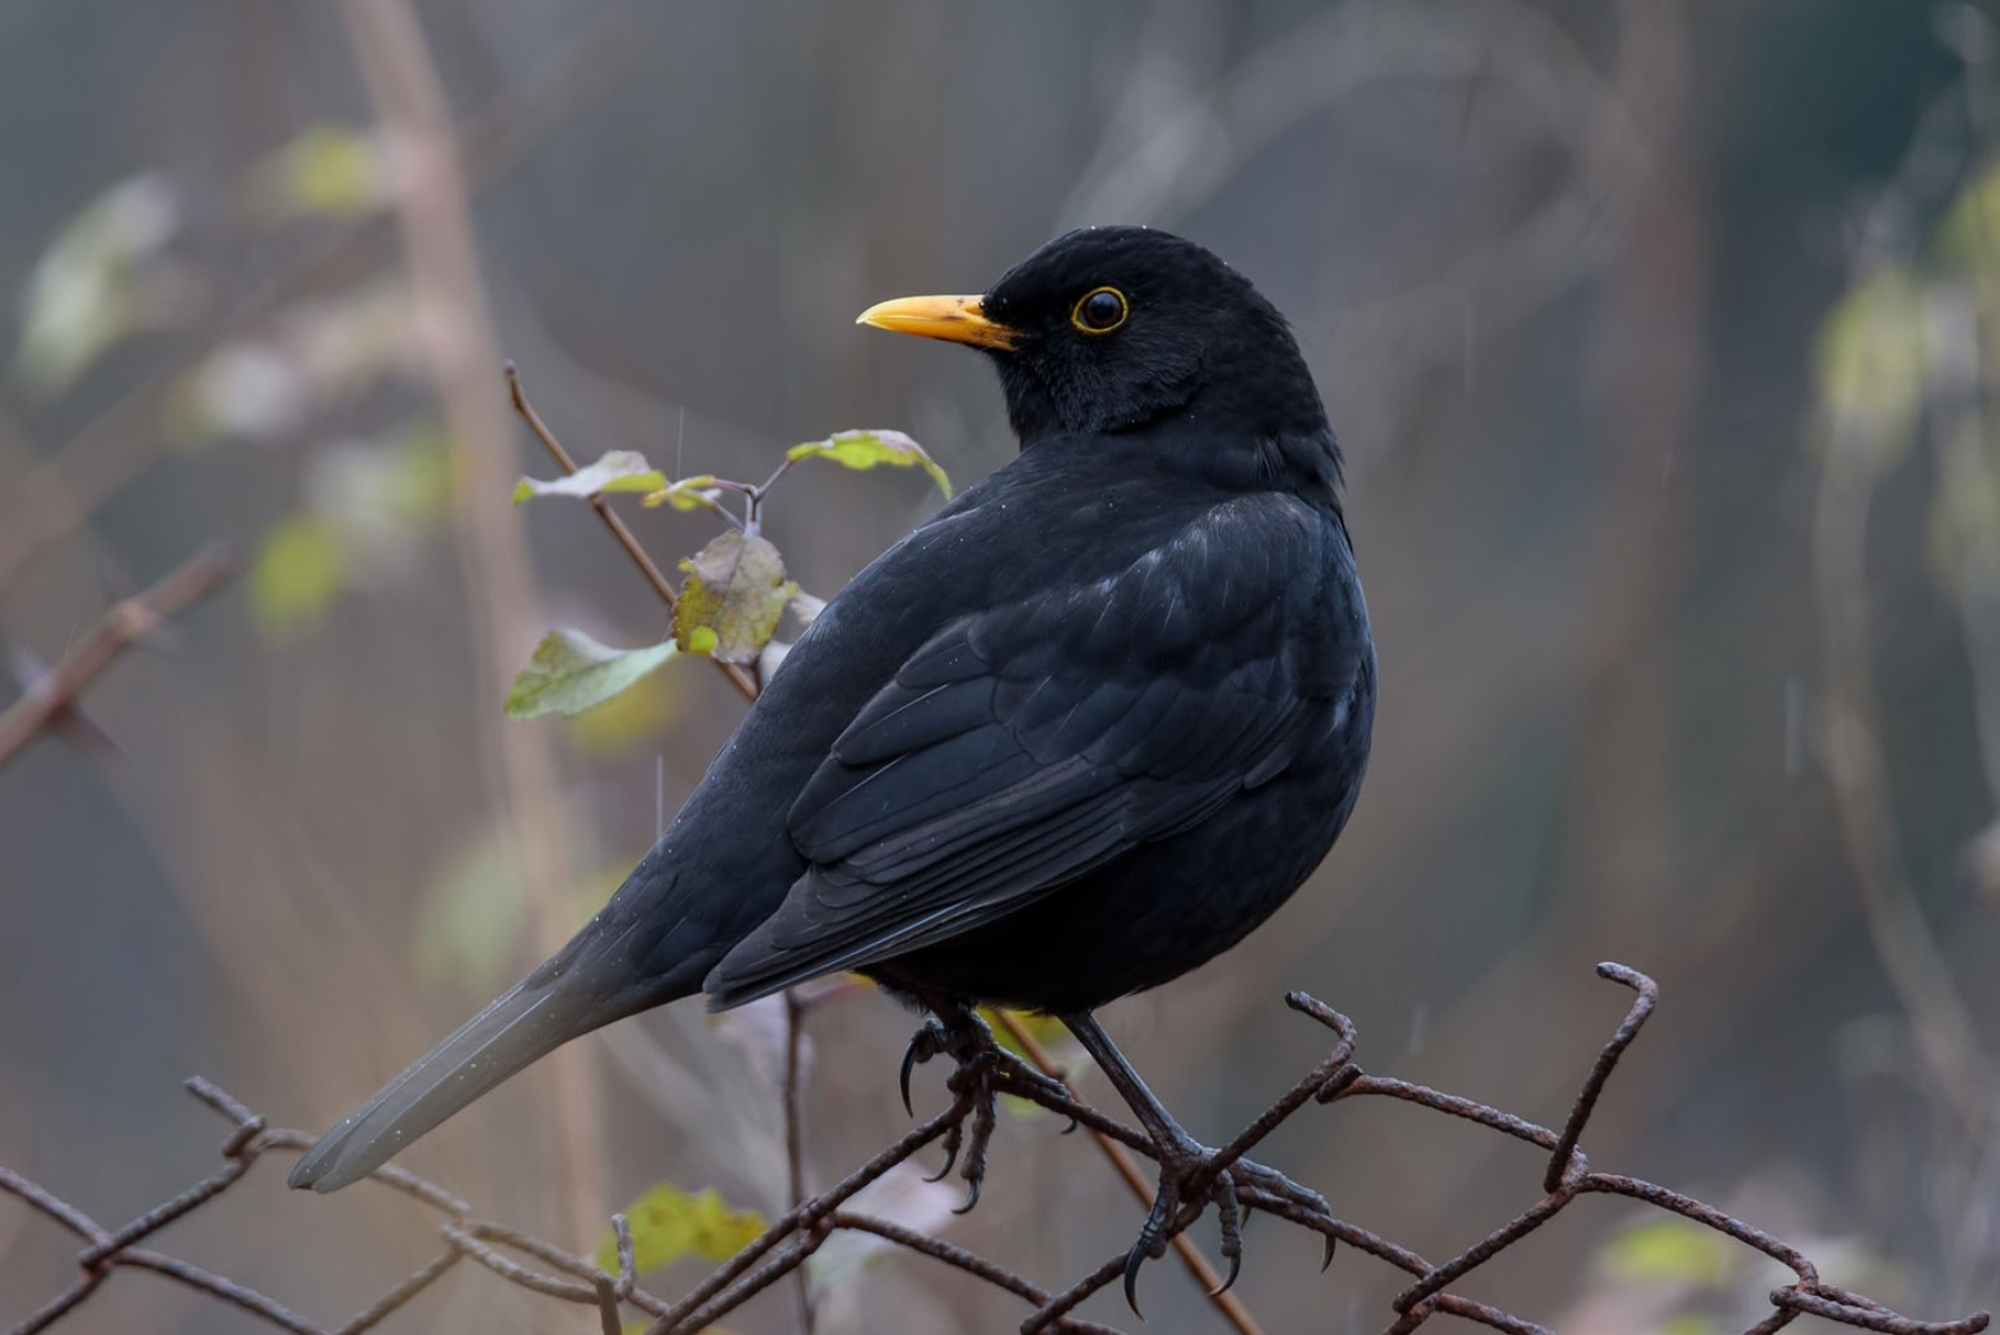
[{"x": 957, "y": 319}]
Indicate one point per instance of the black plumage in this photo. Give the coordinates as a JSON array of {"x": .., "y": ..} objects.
[{"x": 1077, "y": 734}]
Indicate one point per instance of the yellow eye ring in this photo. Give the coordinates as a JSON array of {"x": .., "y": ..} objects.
[{"x": 1092, "y": 314}]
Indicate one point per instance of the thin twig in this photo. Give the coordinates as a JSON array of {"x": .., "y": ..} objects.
[
  {"x": 50, "y": 697},
  {"x": 795, "y": 1135},
  {"x": 745, "y": 684},
  {"x": 786, "y": 1246}
]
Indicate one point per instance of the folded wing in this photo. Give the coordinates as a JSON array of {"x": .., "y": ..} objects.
[{"x": 1025, "y": 745}]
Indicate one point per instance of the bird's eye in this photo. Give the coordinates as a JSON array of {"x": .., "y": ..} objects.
[{"x": 1101, "y": 311}]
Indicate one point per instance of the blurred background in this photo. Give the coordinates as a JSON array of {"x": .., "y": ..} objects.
[{"x": 1663, "y": 337}]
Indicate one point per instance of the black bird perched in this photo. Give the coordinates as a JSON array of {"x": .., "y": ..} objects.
[{"x": 1076, "y": 735}]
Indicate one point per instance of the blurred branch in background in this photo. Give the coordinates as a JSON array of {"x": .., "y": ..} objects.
[
  {"x": 51, "y": 699},
  {"x": 455, "y": 328},
  {"x": 53, "y": 497},
  {"x": 786, "y": 1246},
  {"x": 1908, "y": 353}
]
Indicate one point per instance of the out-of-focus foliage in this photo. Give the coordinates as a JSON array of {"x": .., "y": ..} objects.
[
  {"x": 269, "y": 387},
  {"x": 106, "y": 277},
  {"x": 369, "y": 507},
  {"x": 470, "y": 919},
  {"x": 300, "y": 565},
  {"x": 1671, "y": 1249},
  {"x": 637, "y": 715},
  {"x": 1909, "y": 346},
  {"x": 326, "y": 171},
  {"x": 669, "y": 1224},
  {"x": 1871, "y": 362}
]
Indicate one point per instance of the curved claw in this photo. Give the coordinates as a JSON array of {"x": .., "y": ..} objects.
[
  {"x": 909, "y": 1065},
  {"x": 1329, "y": 1254},
  {"x": 950, "y": 1158},
  {"x": 971, "y": 1197},
  {"x": 1229, "y": 1280},
  {"x": 1133, "y": 1260}
]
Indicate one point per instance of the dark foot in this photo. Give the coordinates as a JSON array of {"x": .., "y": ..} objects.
[
  {"x": 1188, "y": 1177},
  {"x": 984, "y": 1071}
]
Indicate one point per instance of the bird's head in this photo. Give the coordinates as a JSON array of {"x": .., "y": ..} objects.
[{"x": 1117, "y": 329}]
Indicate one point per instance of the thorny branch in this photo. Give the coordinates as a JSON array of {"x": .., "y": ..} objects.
[
  {"x": 49, "y": 702},
  {"x": 784, "y": 1248}
]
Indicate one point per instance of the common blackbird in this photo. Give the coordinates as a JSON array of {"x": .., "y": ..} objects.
[{"x": 1074, "y": 736}]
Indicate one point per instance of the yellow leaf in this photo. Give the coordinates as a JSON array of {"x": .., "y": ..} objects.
[
  {"x": 668, "y": 1224},
  {"x": 1970, "y": 233},
  {"x": 472, "y": 916},
  {"x": 619, "y": 470},
  {"x": 1671, "y": 1249},
  {"x": 733, "y": 598},
  {"x": 689, "y": 493},
  {"x": 866, "y": 449},
  {"x": 299, "y": 567},
  {"x": 1871, "y": 363},
  {"x": 327, "y": 171}
]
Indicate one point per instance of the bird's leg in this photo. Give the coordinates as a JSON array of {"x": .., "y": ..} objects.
[
  {"x": 1187, "y": 1175},
  {"x": 983, "y": 1066}
]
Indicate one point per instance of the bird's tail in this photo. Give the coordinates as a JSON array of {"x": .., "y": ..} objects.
[{"x": 587, "y": 985}]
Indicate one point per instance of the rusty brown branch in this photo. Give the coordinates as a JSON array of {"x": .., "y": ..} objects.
[{"x": 784, "y": 1247}]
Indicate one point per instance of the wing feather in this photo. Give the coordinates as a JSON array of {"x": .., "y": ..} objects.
[{"x": 1026, "y": 745}]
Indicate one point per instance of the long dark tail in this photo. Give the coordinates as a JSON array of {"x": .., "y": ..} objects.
[{"x": 592, "y": 981}]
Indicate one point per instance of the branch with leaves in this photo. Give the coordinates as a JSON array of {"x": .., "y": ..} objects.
[{"x": 736, "y": 592}]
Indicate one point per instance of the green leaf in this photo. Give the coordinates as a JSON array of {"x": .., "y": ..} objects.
[
  {"x": 1671, "y": 1249},
  {"x": 299, "y": 567},
  {"x": 733, "y": 598},
  {"x": 106, "y": 277},
  {"x": 668, "y": 1224},
  {"x": 1871, "y": 363},
  {"x": 1963, "y": 537},
  {"x": 382, "y": 493},
  {"x": 326, "y": 171},
  {"x": 472, "y": 916},
  {"x": 620, "y": 470},
  {"x": 571, "y": 672},
  {"x": 689, "y": 493},
  {"x": 865, "y": 449}
]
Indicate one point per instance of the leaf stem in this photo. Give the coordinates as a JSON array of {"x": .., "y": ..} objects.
[{"x": 740, "y": 679}]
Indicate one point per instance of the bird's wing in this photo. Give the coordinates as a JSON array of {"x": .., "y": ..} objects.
[{"x": 1024, "y": 745}]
